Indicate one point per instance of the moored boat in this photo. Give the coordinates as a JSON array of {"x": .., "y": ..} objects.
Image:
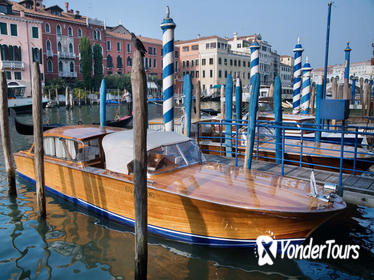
[{"x": 189, "y": 199}]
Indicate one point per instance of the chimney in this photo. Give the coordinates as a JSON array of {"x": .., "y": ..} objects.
[
  {"x": 77, "y": 13},
  {"x": 235, "y": 36},
  {"x": 34, "y": 5},
  {"x": 66, "y": 7},
  {"x": 198, "y": 36},
  {"x": 22, "y": 13}
]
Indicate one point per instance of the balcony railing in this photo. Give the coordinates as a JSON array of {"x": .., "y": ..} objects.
[
  {"x": 66, "y": 55},
  {"x": 10, "y": 64},
  {"x": 49, "y": 53},
  {"x": 67, "y": 74}
]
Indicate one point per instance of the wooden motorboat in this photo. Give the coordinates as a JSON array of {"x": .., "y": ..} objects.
[
  {"x": 120, "y": 122},
  {"x": 189, "y": 200},
  {"x": 28, "y": 129},
  {"x": 294, "y": 123}
]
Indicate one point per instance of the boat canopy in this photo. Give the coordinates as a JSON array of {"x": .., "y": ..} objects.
[{"x": 119, "y": 147}]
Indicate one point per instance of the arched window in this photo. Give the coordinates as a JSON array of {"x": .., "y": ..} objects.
[
  {"x": 129, "y": 61},
  {"x": 60, "y": 68},
  {"x": 70, "y": 31},
  {"x": 79, "y": 32},
  {"x": 98, "y": 35},
  {"x": 47, "y": 28},
  {"x": 71, "y": 49},
  {"x": 109, "y": 61},
  {"x": 94, "y": 35},
  {"x": 59, "y": 48},
  {"x": 119, "y": 62},
  {"x": 49, "y": 66},
  {"x": 58, "y": 29},
  {"x": 71, "y": 66},
  {"x": 48, "y": 45}
]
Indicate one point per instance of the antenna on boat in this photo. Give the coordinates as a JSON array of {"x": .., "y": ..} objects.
[{"x": 313, "y": 185}]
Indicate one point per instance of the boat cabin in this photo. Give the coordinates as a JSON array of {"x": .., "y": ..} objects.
[
  {"x": 80, "y": 145},
  {"x": 112, "y": 148}
]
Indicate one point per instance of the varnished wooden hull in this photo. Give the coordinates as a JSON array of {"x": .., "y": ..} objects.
[{"x": 172, "y": 215}]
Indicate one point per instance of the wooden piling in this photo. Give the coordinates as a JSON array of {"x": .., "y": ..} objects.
[
  {"x": 49, "y": 95},
  {"x": 313, "y": 99},
  {"x": 222, "y": 98},
  {"x": 5, "y": 136},
  {"x": 71, "y": 97},
  {"x": 67, "y": 97},
  {"x": 138, "y": 83},
  {"x": 368, "y": 98},
  {"x": 57, "y": 97},
  {"x": 362, "y": 98},
  {"x": 198, "y": 105},
  {"x": 334, "y": 88},
  {"x": 79, "y": 97},
  {"x": 38, "y": 140}
]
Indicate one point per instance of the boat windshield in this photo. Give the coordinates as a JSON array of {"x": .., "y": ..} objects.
[{"x": 166, "y": 158}]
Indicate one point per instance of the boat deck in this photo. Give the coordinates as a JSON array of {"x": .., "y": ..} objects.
[{"x": 356, "y": 189}]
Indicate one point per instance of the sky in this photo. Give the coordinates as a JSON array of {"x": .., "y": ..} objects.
[{"x": 279, "y": 22}]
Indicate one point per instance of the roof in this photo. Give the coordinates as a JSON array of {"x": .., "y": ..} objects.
[
  {"x": 128, "y": 37},
  {"x": 119, "y": 147},
  {"x": 55, "y": 7},
  {"x": 80, "y": 132},
  {"x": 199, "y": 39}
]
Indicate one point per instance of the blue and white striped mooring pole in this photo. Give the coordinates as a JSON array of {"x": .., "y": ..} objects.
[
  {"x": 305, "y": 96},
  {"x": 102, "y": 103},
  {"x": 298, "y": 50},
  {"x": 347, "y": 51},
  {"x": 254, "y": 59},
  {"x": 168, "y": 27}
]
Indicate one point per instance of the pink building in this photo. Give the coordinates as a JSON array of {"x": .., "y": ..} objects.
[{"x": 20, "y": 45}]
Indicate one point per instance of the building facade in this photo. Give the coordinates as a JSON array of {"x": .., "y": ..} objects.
[
  {"x": 61, "y": 31},
  {"x": 20, "y": 45}
]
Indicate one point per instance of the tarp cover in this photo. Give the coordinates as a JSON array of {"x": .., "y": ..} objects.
[{"x": 118, "y": 147}]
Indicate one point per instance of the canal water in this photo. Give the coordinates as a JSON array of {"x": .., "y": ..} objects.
[{"x": 76, "y": 244}]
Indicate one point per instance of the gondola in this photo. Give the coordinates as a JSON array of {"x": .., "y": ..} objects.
[
  {"x": 121, "y": 122},
  {"x": 28, "y": 129}
]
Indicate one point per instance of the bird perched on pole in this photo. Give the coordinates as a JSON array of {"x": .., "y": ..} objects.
[{"x": 138, "y": 44}]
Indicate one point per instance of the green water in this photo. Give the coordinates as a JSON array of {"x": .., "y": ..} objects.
[{"x": 76, "y": 244}]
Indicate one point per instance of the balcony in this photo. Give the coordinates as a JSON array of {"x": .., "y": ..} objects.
[
  {"x": 67, "y": 74},
  {"x": 66, "y": 55},
  {"x": 49, "y": 53},
  {"x": 13, "y": 65}
]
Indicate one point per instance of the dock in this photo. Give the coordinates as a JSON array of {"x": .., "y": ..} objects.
[{"x": 357, "y": 189}]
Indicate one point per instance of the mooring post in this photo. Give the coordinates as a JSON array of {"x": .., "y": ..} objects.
[
  {"x": 71, "y": 97},
  {"x": 57, "y": 97},
  {"x": 252, "y": 113},
  {"x": 198, "y": 105},
  {"x": 187, "y": 91},
  {"x": 79, "y": 97},
  {"x": 298, "y": 50},
  {"x": 228, "y": 115},
  {"x": 138, "y": 83},
  {"x": 222, "y": 101},
  {"x": 319, "y": 91},
  {"x": 367, "y": 94},
  {"x": 168, "y": 27},
  {"x": 5, "y": 136},
  {"x": 334, "y": 88},
  {"x": 305, "y": 95},
  {"x": 67, "y": 97},
  {"x": 347, "y": 51},
  {"x": 313, "y": 99},
  {"x": 38, "y": 140},
  {"x": 353, "y": 100},
  {"x": 238, "y": 99},
  {"x": 103, "y": 103},
  {"x": 49, "y": 95},
  {"x": 277, "y": 101}
]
